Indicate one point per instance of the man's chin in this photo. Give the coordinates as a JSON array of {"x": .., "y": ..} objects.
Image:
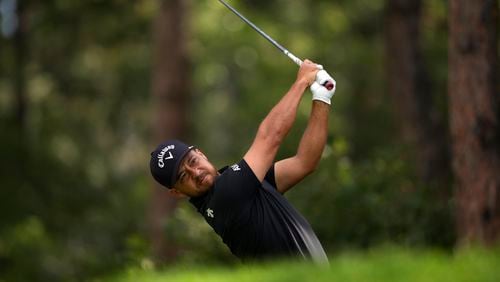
[
  {"x": 208, "y": 182},
  {"x": 205, "y": 187}
]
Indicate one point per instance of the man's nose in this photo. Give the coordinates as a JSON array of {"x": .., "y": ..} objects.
[{"x": 192, "y": 171}]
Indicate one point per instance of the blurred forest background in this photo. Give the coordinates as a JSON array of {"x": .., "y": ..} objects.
[{"x": 88, "y": 88}]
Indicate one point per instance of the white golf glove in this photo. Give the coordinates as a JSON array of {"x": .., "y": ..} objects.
[{"x": 324, "y": 86}]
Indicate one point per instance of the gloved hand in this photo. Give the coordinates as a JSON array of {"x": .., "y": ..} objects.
[{"x": 324, "y": 86}]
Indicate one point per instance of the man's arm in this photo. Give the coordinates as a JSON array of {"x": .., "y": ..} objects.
[
  {"x": 289, "y": 172},
  {"x": 278, "y": 122}
]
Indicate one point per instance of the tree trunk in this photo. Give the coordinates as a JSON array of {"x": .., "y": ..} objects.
[
  {"x": 170, "y": 93},
  {"x": 19, "y": 68},
  {"x": 410, "y": 88},
  {"x": 474, "y": 118}
]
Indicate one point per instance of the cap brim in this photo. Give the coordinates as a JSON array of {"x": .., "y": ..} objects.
[{"x": 178, "y": 163}]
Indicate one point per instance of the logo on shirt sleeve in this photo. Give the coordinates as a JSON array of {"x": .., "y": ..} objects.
[{"x": 235, "y": 167}]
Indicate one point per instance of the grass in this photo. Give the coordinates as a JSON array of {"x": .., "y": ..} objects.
[{"x": 383, "y": 264}]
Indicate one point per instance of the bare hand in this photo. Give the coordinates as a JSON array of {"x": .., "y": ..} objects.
[{"x": 307, "y": 72}]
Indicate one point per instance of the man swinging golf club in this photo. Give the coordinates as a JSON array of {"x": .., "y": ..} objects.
[{"x": 244, "y": 202}]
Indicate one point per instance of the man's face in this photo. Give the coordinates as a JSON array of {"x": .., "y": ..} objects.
[{"x": 196, "y": 174}]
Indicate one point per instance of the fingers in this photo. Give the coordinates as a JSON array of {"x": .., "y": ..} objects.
[
  {"x": 308, "y": 71},
  {"x": 311, "y": 63}
]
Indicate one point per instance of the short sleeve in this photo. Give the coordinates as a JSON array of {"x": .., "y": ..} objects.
[
  {"x": 270, "y": 177},
  {"x": 237, "y": 184}
]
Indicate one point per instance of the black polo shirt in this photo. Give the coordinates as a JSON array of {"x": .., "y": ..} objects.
[{"x": 254, "y": 220}]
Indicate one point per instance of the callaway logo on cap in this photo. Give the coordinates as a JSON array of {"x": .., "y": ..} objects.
[
  {"x": 165, "y": 161},
  {"x": 162, "y": 156}
]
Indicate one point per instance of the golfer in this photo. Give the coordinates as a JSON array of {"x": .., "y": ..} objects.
[{"x": 244, "y": 202}]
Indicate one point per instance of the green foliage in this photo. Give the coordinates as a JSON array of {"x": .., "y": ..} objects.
[
  {"x": 383, "y": 264},
  {"x": 373, "y": 202},
  {"x": 74, "y": 178}
]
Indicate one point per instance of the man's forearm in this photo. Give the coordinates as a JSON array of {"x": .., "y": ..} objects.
[
  {"x": 280, "y": 119},
  {"x": 314, "y": 138},
  {"x": 276, "y": 125}
]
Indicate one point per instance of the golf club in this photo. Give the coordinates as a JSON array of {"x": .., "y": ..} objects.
[
  {"x": 281, "y": 48},
  {"x": 327, "y": 84}
]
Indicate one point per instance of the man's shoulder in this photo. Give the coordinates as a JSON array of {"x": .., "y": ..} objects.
[
  {"x": 235, "y": 167},
  {"x": 235, "y": 183},
  {"x": 240, "y": 168},
  {"x": 240, "y": 174}
]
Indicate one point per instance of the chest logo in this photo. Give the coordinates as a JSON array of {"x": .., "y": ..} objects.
[
  {"x": 235, "y": 167},
  {"x": 210, "y": 213}
]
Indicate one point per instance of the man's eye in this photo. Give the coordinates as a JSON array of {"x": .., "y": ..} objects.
[{"x": 192, "y": 161}]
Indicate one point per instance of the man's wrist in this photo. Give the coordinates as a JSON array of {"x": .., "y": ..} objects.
[
  {"x": 323, "y": 100},
  {"x": 302, "y": 83},
  {"x": 321, "y": 103}
]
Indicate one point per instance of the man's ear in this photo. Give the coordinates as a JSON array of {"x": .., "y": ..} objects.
[{"x": 176, "y": 193}]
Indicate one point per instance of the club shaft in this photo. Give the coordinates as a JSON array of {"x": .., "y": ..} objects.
[{"x": 276, "y": 44}]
